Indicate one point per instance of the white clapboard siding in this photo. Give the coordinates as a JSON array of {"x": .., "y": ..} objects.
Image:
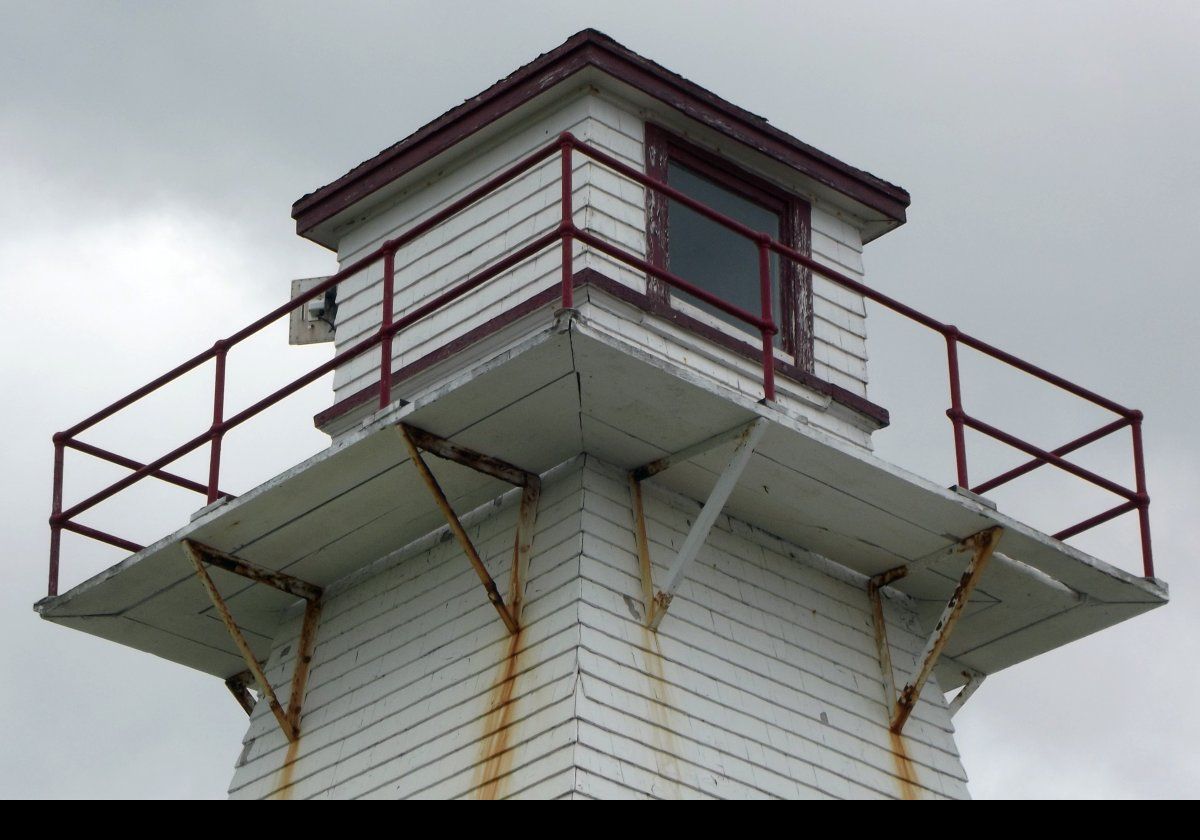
[
  {"x": 761, "y": 682},
  {"x": 625, "y": 323},
  {"x": 609, "y": 206},
  {"x": 739, "y": 613},
  {"x": 492, "y": 228},
  {"x": 409, "y": 668}
]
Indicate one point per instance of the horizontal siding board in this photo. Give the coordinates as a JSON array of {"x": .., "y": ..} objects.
[
  {"x": 425, "y": 574},
  {"x": 549, "y": 777},
  {"x": 589, "y": 785},
  {"x": 495, "y": 225},
  {"x": 666, "y": 772},
  {"x": 445, "y": 767},
  {"x": 471, "y": 636},
  {"x": 635, "y": 702},
  {"x": 836, "y": 255},
  {"x": 825, "y": 290},
  {"x": 458, "y": 605},
  {"x": 734, "y": 669},
  {"x": 658, "y": 338},
  {"x": 763, "y": 565},
  {"x": 841, "y": 318},
  {"x": 608, "y": 205},
  {"x": 760, "y": 683},
  {"x": 409, "y": 709},
  {"x": 764, "y": 734},
  {"x": 819, "y": 660},
  {"x": 423, "y": 659},
  {"x": 844, "y": 340},
  {"x": 847, "y": 366}
]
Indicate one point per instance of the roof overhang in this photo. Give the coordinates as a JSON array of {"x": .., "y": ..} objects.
[{"x": 586, "y": 58}]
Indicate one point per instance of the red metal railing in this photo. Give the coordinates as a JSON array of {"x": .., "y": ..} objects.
[{"x": 566, "y": 233}]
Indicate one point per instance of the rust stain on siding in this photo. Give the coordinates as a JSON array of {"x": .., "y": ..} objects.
[
  {"x": 283, "y": 788},
  {"x": 660, "y": 712},
  {"x": 906, "y": 771},
  {"x": 496, "y": 758}
]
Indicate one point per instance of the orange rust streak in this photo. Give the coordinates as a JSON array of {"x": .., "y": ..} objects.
[
  {"x": 284, "y": 788},
  {"x": 496, "y": 760},
  {"x": 658, "y": 689},
  {"x": 906, "y": 771}
]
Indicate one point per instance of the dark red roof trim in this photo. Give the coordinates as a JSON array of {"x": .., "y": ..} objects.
[{"x": 594, "y": 49}]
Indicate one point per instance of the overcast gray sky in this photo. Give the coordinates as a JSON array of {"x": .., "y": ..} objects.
[{"x": 149, "y": 155}]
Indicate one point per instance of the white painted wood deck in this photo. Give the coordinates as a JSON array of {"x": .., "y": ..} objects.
[{"x": 772, "y": 615}]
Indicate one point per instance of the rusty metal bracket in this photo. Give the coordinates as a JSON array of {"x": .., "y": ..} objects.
[
  {"x": 746, "y": 438},
  {"x": 289, "y": 721},
  {"x": 974, "y": 680},
  {"x": 239, "y": 687},
  {"x": 416, "y": 440},
  {"x": 900, "y": 706}
]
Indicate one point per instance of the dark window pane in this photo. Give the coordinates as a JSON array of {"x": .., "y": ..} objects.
[{"x": 713, "y": 257}]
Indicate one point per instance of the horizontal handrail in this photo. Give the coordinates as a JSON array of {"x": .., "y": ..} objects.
[{"x": 565, "y": 232}]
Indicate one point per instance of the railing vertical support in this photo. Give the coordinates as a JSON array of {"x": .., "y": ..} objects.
[
  {"x": 1143, "y": 497},
  {"x": 567, "y": 226},
  {"x": 385, "y": 325},
  {"x": 214, "y": 455},
  {"x": 768, "y": 328},
  {"x": 956, "y": 410},
  {"x": 55, "y": 513}
]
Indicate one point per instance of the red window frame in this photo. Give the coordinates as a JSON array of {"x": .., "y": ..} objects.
[{"x": 795, "y": 282}]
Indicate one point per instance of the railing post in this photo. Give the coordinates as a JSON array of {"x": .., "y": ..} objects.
[
  {"x": 1143, "y": 497},
  {"x": 768, "y": 328},
  {"x": 55, "y": 513},
  {"x": 956, "y": 410},
  {"x": 214, "y": 455},
  {"x": 566, "y": 226},
  {"x": 385, "y": 326}
]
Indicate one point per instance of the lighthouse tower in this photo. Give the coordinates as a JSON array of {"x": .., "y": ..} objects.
[{"x": 599, "y": 515}]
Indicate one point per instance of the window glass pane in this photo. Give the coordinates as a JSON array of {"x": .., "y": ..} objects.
[{"x": 713, "y": 257}]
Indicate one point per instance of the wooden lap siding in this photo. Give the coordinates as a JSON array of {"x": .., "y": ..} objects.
[
  {"x": 761, "y": 682},
  {"x": 606, "y": 204}
]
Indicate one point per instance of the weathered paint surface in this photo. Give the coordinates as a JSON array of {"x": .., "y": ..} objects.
[
  {"x": 762, "y": 681},
  {"x": 497, "y": 754},
  {"x": 283, "y": 787},
  {"x": 607, "y": 206},
  {"x": 906, "y": 772}
]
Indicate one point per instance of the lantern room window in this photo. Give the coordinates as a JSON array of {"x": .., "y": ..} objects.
[{"x": 717, "y": 259}]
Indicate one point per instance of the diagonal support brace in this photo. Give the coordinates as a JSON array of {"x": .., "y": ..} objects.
[
  {"x": 289, "y": 719},
  {"x": 981, "y": 546},
  {"x": 974, "y": 680},
  {"x": 239, "y": 687},
  {"x": 746, "y": 439},
  {"x": 416, "y": 440}
]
